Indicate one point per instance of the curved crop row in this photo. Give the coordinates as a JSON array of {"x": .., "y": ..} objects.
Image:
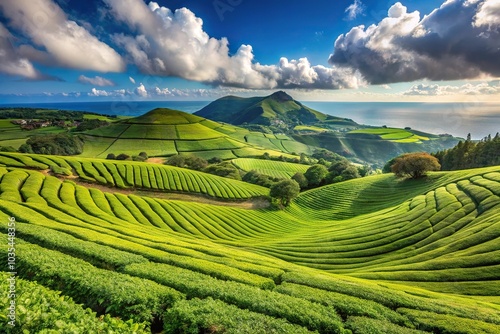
[{"x": 142, "y": 175}]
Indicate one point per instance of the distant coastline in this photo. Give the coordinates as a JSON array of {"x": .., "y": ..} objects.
[{"x": 457, "y": 119}]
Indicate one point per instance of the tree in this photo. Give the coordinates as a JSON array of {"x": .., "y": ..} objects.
[
  {"x": 415, "y": 164},
  {"x": 285, "y": 191},
  {"x": 111, "y": 156},
  {"x": 315, "y": 175},
  {"x": 351, "y": 172},
  {"x": 339, "y": 166},
  {"x": 176, "y": 160},
  {"x": 301, "y": 180}
]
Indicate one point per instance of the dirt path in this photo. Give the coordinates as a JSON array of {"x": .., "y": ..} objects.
[{"x": 250, "y": 204}]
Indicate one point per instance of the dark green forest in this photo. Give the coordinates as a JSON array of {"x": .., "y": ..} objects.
[{"x": 470, "y": 154}]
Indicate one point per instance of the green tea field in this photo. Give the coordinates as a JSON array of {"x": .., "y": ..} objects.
[
  {"x": 165, "y": 132},
  {"x": 371, "y": 255},
  {"x": 276, "y": 169}
]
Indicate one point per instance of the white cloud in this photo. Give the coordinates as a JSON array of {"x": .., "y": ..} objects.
[
  {"x": 96, "y": 81},
  {"x": 488, "y": 14},
  {"x": 456, "y": 41},
  {"x": 66, "y": 43},
  {"x": 104, "y": 93},
  {"x": 354, "y": 9},
  {"x": 11, "y": 62},
  {"x": 171, "y": 43},
  {"x": 132, "y": 80},
  {"x": 141, "y": 91},
  {"x": 484, "y": 88}
]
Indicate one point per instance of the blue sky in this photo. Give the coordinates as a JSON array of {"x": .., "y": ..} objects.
[{"x": 359, "y": 50}]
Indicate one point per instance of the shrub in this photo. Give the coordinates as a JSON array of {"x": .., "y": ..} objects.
[
  {"x": 123, "y": 156},
  {"x": 225, "y": 169},
  {"x": 111, "y": 156},
  {"x": 255, "y": 177}
]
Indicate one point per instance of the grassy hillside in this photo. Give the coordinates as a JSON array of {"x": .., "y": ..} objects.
[
  {"x": 277, "y": 109},
  {"x": 165, "y": 132},
  {"x": 375, "y": 145},
  {"x": 189, "y": 267},
  {"x": 312, "y": 129}
]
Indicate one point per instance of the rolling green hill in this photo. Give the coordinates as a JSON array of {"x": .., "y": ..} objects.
[
  {"x": 165, "y": 132},
  {"x": 375, "y": 146},
  {"x": 273, "y": 109},
  {"x": 371, "y": 255},
  {"x": 360, "y": 143}
]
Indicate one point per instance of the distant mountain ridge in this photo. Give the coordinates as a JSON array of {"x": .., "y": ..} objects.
[{"x": 275, "y": 108}]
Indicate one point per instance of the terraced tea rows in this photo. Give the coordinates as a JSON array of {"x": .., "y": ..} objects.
[
  {"x": 393, "y": 135},
  {"x": 166, "y": 132},
  {"x": 86, "y": 244},
  {"x": 364, "y": 227},
  {"x": 137, "y": 175},
  {"x": 276, "y": 169}
]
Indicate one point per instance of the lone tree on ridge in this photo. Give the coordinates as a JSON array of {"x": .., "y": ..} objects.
[{"x": 415, "y": 165}]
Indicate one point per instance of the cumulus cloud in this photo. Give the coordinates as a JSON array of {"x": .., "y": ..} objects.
[
  {"x": 96, "y": 81},
  {"x": 66, "y": 43},
  {"x": 104, "y": 93},
  {"x": 141, "y": 91},
  {"x": 483, "y": 88},
  {"x": 12, "y": 63},
  {"x": 354, "y": 9},
  {"x": 488, "y": 15},
  {"x": 456, "y": 41},
  {"x": 173, "y": 43}
]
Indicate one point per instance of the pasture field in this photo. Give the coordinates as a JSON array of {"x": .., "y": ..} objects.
[
  {"x": 182, "y": 267},
  {"x": 393, "y": 135},
  {"x": 277, "y": 169}
]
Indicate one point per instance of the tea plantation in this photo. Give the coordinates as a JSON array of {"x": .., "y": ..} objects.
[
  {"x": 371, "y": 255},
  {"x": 165, "y": 132}
]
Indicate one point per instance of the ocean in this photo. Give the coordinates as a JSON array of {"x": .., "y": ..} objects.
[{"x": 457, "y": 119}]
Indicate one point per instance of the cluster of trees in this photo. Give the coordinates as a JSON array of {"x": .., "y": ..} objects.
[
  {"x": 49, "y": 115},
  {"x": 468, "y": 154},
  {"x": 215, "y": 166},
  {"x": 143, "y": 156},
  {"x": 302, "y": 160},
  {"x": 90, "y": 124},
  {"x": 335, "y": 169},
  {"x": 56, "y": 144},
  {"x": 260, "y": 179}
]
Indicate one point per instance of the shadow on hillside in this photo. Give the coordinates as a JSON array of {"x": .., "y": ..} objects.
[{"x": 390, "y": 192}]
